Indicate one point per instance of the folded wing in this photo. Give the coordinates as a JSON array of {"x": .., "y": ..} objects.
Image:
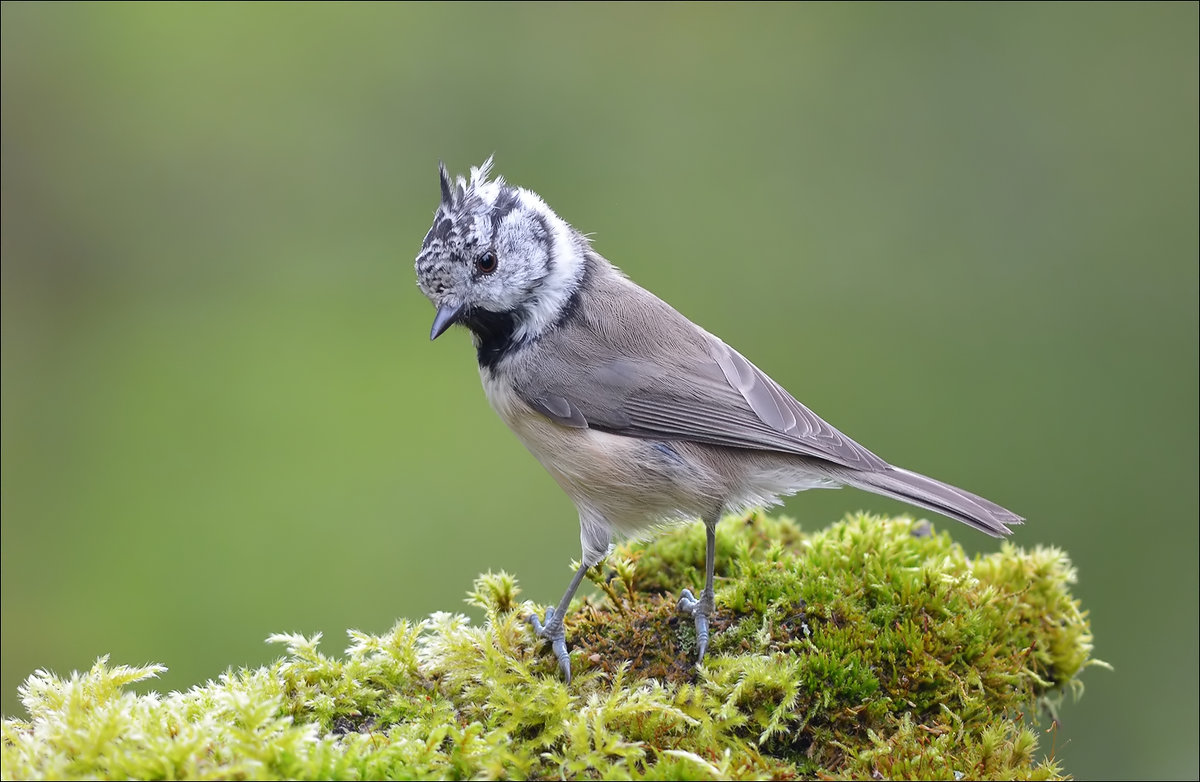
[{"x": 683, "y": 385}]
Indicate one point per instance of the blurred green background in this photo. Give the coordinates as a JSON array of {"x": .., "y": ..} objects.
[{"x": 964, "y": 234}]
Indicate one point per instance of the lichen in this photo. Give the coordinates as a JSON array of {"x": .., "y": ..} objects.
[{"x": 874, "y": 648}]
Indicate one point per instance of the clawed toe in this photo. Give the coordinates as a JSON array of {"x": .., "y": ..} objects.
[
  {"x": 554, "y": 632},
  {"x": 699, "y": 609}
]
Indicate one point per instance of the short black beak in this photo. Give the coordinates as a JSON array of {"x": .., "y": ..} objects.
[{"x": 447, "y": 316}]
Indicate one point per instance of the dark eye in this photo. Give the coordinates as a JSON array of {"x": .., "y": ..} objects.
[{"x": 486, "y": 262}]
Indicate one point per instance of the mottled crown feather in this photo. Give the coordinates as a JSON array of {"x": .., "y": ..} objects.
[
  {"x": 447, "y": 188},
  {"x": 457, "y": 193},
  {"x": 468, "y": 212}
]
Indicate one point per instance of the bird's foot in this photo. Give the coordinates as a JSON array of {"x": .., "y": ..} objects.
[
  {"x": 554, "y": 632},
  {"x": 699, "y": 609}
]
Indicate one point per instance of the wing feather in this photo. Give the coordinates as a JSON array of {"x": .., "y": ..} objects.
[{"x": 659, "y": 376}]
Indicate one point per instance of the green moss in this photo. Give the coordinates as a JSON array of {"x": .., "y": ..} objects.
[{"x": 872, "y": 648}]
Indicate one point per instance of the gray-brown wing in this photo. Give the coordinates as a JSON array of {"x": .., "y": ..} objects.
[{"x": 693, "y": 387}]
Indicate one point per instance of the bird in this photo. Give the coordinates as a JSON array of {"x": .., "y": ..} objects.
[{"x": 641, "y": 416}]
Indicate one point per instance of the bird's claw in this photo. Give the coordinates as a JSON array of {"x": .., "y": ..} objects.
[
  {"x": 554, "y": 632},
  {"x": 698, "y": 609}
]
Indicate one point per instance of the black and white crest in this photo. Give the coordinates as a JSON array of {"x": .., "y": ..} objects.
[{"x": 457, "y": 224}]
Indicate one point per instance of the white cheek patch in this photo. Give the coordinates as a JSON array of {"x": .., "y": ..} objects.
[{"x": 559, "y": 271}]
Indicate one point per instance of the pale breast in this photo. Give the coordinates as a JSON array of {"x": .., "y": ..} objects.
[{"x": 633, "y": 483}]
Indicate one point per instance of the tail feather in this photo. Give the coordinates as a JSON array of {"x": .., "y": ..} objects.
[{"x": 925, "y": 492}]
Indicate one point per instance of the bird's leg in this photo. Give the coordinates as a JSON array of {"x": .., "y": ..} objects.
[
  {"x": 553, "y": 630},
  {"x": 701, "y": 608}
]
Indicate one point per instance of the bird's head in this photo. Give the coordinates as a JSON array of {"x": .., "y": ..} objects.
[{"x": 497, "y": 259}]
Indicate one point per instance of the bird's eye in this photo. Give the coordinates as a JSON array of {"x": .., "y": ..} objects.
[{"x": 486, "y": 262}]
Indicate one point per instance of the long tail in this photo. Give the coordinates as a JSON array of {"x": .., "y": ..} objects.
[{"x": 925, "y": 492}]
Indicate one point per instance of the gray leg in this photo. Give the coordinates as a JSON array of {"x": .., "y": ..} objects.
[
  {"x": 702, "y": 608},
  {"x": 553, "y": 630}
]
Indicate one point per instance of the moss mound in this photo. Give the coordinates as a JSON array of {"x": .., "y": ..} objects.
[{"x": 874, "y": 648}]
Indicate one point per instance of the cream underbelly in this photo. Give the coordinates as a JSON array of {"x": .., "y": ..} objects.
[{"x": 631, "y": 483}]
